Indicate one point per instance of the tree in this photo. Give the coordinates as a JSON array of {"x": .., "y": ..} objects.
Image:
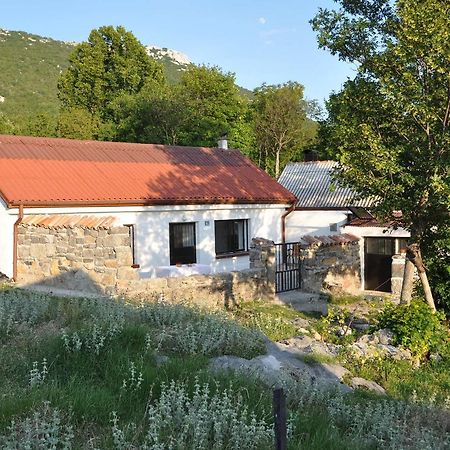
[
  {"x": 390, "y": 125},
  {"x": 212, "y": 102},
  {"x": 154, "y": 115},
  {"x": 77, "y": 123},
  {"x": 280, "y": 123},
  {"x": 196, "y": 112},
  {"x": 111, "y": 63}
]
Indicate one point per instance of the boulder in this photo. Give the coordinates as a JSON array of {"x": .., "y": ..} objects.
[{"x": 362, "y": 383}]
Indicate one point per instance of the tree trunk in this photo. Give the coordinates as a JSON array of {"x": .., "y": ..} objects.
[
  {"x": 414, "y": 255},
  {"x": 277, "y": 164},
  {"x": 408, "y": 283}
]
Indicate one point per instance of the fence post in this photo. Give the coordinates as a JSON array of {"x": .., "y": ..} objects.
[{"x": 279, "y": 415}]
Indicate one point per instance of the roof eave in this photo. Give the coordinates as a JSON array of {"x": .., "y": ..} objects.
[{"x": 143, "y": 202}]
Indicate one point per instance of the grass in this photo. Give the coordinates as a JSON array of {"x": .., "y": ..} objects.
[
  {"x": 107, "y": 391},
  {"x": 275, "y": 321}
]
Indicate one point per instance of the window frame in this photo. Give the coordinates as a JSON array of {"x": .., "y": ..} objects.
[
  {"x": 237, "y": 252},
  {"x": 172, "y": 257},
  {"x": 132, "y": 234}
]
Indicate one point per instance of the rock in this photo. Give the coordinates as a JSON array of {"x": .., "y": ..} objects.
[
  {"x": 385, "y": 336},
  {"x": 337, "y": 370},
  {"x": 359, "y": 383},
  {"x": 316, "y": 336},
  {"x": 306, "y": 345},
  {"x": 303, "y": 330},
  {"x": 344, "y": 331},
  {"x": 301, "y": 323}
]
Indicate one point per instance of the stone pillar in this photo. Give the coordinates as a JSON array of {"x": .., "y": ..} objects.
[
  {"x": 398, "y": 267},
  {"x": 262, "y": 256}
]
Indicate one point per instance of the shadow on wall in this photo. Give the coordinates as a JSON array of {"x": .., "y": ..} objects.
[
  {"x": 75, "y": 281},
  {"x": 219, "y": 290}
]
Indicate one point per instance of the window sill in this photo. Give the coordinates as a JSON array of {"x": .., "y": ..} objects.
[{"x": 232, "y": 255}]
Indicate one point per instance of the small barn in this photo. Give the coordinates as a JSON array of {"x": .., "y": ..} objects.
[
  {"x": 323, "y": 208},
  {"x": 130, "y": 211}
]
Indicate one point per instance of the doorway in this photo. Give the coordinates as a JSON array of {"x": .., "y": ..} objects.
[{"x": 378, "y": 254}]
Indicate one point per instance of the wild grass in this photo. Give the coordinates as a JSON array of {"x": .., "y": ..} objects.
[
  {"x": 84, "y": 373},
  {"x": 275, "y": 321}
]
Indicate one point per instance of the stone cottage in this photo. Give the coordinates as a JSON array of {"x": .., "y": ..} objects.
[{"x": 77, "y": 212}]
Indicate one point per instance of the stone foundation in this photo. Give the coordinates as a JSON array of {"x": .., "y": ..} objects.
[{"x": 99, "y": 261}]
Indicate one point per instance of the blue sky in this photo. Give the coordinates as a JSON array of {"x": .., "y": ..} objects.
[{"x": 259, "y": 40}]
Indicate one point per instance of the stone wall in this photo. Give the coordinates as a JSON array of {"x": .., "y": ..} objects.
[
  {"x": 99, "y": 261},
  {"x": 89, "y": 260},
  {"x": 331, "y": 267}
]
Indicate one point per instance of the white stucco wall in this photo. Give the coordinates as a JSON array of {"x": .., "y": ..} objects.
[
  {"x": 7, "y": 219},
  {"x": 152, "y": 230},
  {"x": 363, "y": 232},
  {"x": 316, "y": 223}
]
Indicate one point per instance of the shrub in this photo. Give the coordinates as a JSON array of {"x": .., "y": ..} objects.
[
  {"x": 203, "y": 420},
  {"x": 43, "y": 429},
  {"x": 415, "y": 327}
]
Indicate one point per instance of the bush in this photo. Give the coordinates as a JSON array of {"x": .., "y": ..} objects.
[{"x": 415, "y": 327}]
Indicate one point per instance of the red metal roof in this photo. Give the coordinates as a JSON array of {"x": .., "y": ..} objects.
[{"x": 50, "y": 172}]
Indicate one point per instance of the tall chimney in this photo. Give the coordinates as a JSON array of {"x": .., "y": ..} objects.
[{"x": 223, "y": 142}]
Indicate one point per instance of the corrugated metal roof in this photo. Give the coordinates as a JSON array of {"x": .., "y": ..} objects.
[
  {"x": 68, "y": 221},
  {"x": 311, "y": 183},
  {"x": 50, "y": 171}
]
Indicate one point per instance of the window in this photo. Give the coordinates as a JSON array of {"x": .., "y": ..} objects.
[
  {"x": 182, "y": 243},
  {"x": 231, "y": 236},
  {"x": 333, "y": 226}
]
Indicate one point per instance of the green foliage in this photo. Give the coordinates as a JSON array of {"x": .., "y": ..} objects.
[
  {"x": 117, "y": 390},
  {"x": 335, "y": 326},
  {"x": 213, "y": 104},
  {"x": 390, "y": 126},
  {"x": 29, "y": 69},
  {"x": 112, "y": 62},
  {"x": 280, "y": 123},
  {"x": 415, "y": 327},
  {"x": 77, "y": 123},
  {"x": 275, "y": 321},
  {"x": 436, "y": 252}
]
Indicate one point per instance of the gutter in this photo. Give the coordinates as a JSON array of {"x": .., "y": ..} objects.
[
  {"x": 283, "y": 222},
  {"x": 15, "y": 241}
]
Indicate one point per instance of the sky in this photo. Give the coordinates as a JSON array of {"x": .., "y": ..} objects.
[{"x": 259, "y": 40}]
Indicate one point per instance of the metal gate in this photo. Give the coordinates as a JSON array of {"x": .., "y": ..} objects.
[{"x": 287, "y": 272}]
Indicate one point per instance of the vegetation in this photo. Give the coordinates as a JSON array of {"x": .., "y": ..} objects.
[
  {"x": 415, "y": 327},
  {"x": 100, "y": 373},
  {"x": 281, "y": 124},
  {"x": 394, "y": 117}
]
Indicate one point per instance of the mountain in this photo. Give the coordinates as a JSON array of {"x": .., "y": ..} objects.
[
  {"x": 30, "y": 66},
  {"x": 29, "y": 69}
]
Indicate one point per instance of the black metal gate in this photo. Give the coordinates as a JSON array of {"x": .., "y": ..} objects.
[{"x": 288, "y": 261}]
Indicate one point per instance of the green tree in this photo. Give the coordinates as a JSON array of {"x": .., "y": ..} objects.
[
  {"x": 111, "y": 63},
  {"x": 280, "y": 123},
  {"x": 213, "y": 105},
  {"x": 154, "y": 115},
  {"x": 195, "y": 112},
  {"x": 41, "y": 124},
  {"x": 390, "y": 126},
  {"x": 77, "y": 123}
]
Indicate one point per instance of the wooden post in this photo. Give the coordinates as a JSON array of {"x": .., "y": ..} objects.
[{"x": 279, "y": 415}]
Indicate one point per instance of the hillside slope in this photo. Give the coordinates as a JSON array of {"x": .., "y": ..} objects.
[
  {"x": 30, "y": 66},
  {"x": 29, "y": 69}
]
